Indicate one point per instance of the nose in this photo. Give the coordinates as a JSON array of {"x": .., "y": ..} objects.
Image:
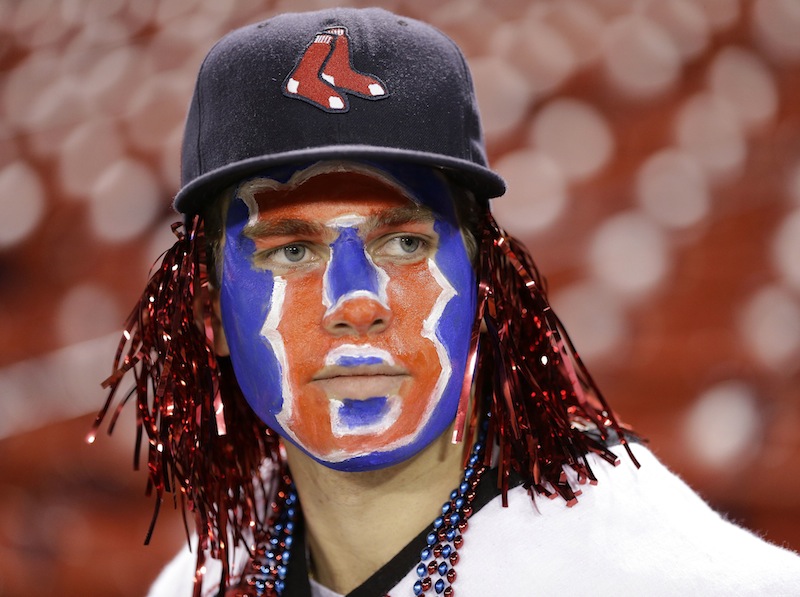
[
  {"x": 357, "y": 316},
  {"x": 353, "y": 286}
]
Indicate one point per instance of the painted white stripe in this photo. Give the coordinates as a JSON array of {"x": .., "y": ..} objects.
[
  {"x": 383, "y": 281},
  {"x": 326, "y": 284},
  {"x": 346, "y": 221},
  {"x": 429, "y": 328},
  {"x": 349, "y": 297},
  {"x": 269, "y": 331}
]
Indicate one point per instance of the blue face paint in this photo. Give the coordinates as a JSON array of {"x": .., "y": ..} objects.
[
  {"x": 280, "y": 347},
  {"x": 358, "y": 361},
  {"x": 362, "y": 413},
  {"x": 350, "y": 271},
  {"x": 245, "y": 301}
]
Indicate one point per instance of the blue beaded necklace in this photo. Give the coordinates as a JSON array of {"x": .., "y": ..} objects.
[
  {"x": 266, "y": 572},
  {"x": 440, "y": 555}
]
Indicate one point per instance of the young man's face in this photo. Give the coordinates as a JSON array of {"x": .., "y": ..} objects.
[{"x": 348, "y": 308}]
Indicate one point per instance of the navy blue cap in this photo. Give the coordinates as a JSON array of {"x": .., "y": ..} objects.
[{"x": 343, "y": 84}]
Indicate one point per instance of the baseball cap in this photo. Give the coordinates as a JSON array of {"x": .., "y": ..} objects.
[{"x": 342, "y": 83}]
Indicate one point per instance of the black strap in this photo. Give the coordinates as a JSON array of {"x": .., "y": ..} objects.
[{"x": 391, "y": 573}]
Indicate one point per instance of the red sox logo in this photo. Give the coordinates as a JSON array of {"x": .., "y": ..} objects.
[{"x": 324, "y": 75}]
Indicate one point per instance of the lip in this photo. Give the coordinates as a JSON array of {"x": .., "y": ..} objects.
[
  {"x": 333, "y": 371},
  {"x": 361, "y": 382}
]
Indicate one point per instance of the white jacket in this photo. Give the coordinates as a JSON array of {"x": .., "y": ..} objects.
[{"x": 637, "y": 532}]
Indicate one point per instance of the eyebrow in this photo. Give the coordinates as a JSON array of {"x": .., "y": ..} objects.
[
  {"x": 284, "y": 227},
  {"x": 395, "y": 216}
]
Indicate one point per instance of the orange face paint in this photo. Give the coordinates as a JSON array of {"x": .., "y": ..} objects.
[{"x": 346, "y": 334}]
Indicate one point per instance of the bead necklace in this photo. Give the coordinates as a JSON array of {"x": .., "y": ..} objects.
[
  {"x": 440, "y": 555},
  {"x": 266, "y": 573},
  {"x": 267, "y": 570}
]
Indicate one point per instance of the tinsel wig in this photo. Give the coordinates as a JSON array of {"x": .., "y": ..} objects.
[{"x": 219, "y": 461}]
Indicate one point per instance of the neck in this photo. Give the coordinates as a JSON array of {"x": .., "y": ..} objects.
[{"x": 356, "y": 522}]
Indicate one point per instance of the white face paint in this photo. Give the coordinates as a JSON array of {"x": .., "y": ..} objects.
[{"x": 348, "y": 311}]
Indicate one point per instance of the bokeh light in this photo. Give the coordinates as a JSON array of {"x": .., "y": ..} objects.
[
  {"x": 684, "y": 21},
  {"x": 672, "y": 188},
  {"x": 595, "y": 319},
  {"x": 538, "y": 51},
  {"x": 580, "y": 25},
  {"x": 22, "y": 202},
  {"x": 786, "y": 250},
  {"x": 640, "y": 57},
  {"x": 503, "y": 95},
  {"x": 769, "y": 326},
  {"x": 721, "y": 14},
  {"x": 536, "y": 195},
  {"x": 87, "y": 311},
  {"x": 575, "y": 135},
  {"x": 87, "y": 153},
  {"x": 776, "y": 23},
  {"x": 630, "y": 254},
  {"x": 708, "y": 128},
  {"x": 723, "y": 426},
  {"x": 743, "y": 80},
  {"x": 124, "y": 201}
]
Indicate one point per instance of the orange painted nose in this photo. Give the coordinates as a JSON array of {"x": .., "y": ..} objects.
[{"x": 357, "y": 316}]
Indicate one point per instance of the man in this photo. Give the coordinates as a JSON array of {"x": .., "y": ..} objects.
[{"x": 367, "y": 311}]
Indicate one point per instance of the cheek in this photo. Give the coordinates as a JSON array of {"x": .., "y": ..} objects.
[
  {"x": 246, "y": 295},
  {"x": 412, "y": 293},
  {"x": 300, "y": 323}
]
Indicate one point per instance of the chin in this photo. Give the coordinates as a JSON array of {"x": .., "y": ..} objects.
[
  {"x": 374, "y": 461},
  {"x": 371, "y": 461}
]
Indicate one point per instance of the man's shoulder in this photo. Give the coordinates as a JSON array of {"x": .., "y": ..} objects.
[
  {"x": 636, "y": 531},
  {"x": 177, "y": 577}
]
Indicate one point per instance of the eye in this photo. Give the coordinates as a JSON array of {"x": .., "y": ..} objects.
[
  {"x": 409, "y": 244},
  {"x": 403, "y": 247},
  {"x": 294, "y": 253},
  {"x": 286, "y": 257}
]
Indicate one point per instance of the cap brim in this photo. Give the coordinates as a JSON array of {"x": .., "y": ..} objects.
[{"x": 482, "y": 181}]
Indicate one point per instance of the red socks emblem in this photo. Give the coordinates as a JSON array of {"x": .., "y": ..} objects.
[{"x": 324, "y": 75}]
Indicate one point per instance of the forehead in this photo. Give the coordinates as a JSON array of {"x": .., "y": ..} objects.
[
  {"x": 328, "y": 197},
  {"x": 326, "y": 185}
]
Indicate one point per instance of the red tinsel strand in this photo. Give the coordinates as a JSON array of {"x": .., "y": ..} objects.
[
  {"x": 578, "y": 373},
  {"x": 468, "y": 384},
  {"x": 525, "y": 264},
  {"x": 258, "y": 565},
  {"x": 177, "y": 383},
  {"x": 545, "y": 406}
]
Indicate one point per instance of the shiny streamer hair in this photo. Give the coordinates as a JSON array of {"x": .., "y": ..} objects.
[
  {"x": 547, "y": 413},
  {"x": 204, "y": 444}
]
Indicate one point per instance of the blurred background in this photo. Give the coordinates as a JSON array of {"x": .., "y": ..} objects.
[{"x": 652, "y": 149}]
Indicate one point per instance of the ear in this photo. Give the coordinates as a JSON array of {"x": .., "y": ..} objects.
[{"x": 220, "y": 341}]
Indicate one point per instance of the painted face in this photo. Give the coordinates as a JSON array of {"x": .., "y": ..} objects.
[{"x": 348, "y": 308}]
